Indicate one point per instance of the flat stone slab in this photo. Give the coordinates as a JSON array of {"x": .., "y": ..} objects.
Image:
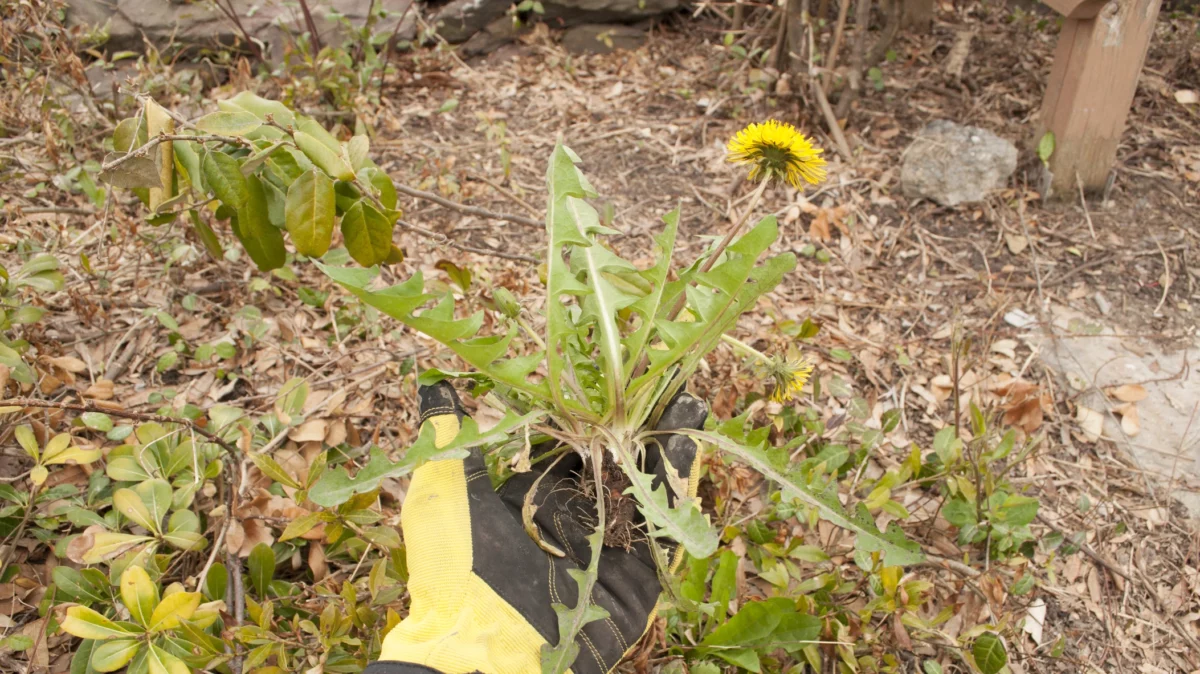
[{"x": 1094, "y": 359}]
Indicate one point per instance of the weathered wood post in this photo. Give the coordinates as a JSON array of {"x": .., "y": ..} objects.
[{"x": 1096, "y": 66}]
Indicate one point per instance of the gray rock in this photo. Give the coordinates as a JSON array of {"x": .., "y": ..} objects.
[
  {"x": 131, "y": 23},
  {"x": 495, "y": 35},
  {"x": 576, "y": 12},
  {"x": 461, "y": 19},
  {"x": 953, "y": 164},
  {"x": 602, "y": 38}
]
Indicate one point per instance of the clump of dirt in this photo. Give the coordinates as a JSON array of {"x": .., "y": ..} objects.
[{"x": 620, "y": 530}]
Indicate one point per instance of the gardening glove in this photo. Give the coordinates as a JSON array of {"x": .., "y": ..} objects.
[{"x": 482, "y": 588}]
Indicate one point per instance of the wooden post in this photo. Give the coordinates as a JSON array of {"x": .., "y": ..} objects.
[
  {"x": 917, "y": 16},
  {"x": 1096, "y": 66}
]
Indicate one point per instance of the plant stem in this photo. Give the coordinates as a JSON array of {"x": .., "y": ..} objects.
[{"x": 745, "y": 349}]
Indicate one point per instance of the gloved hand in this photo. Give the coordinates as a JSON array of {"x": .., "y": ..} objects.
[{"x": 482, "y": 589}]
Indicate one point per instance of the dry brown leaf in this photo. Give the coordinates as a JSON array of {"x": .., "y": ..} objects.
[
  {"x": 68, "y": 363},
  {"x": 309, "y": 431},
  {"x": 818, "y": 229},
  {"x": 1130, "y": 423},
  {"x": 1091, "y": 421},
  {"x": 1129, "y": 393},
  {"x": 101, "y": 390},
  {"x": 1027, "y": 414}
]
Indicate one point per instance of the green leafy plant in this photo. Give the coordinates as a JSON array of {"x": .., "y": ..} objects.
[
  {"x": 167, "y": 634},
  {"x": 265, "y": 170},
  {"x": 38, "y": 275},
  {"x": 618, "y": 342}
]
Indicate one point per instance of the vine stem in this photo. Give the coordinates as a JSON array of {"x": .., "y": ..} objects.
[{"x": 138, "y": 416}]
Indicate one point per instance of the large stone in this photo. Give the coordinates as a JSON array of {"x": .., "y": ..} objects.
[
  {"x": 131, "y": 23},
  {"x": 460, "y": 19},
  {"x": 602, "y": 38},
  {"x": 953, "y": 164},
  {"x": 576, "y": 12}
]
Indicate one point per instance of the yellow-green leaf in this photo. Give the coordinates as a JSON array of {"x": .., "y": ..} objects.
[
  {"x": 113, "y": 655},
  {"x": 162, "y": 662},
  {"x": 85, "y": 623},
  {"x": 59, "y": 450},
  {"x": 368, "y": 234},
  {"x": 172, "y": 609},
  {"x": 106, "y": 545},
  {"x": 158, "y": 122},
  {"x": 129, "y": 503},
  {"x": 38, "y": 475},
  {"x": 28, "y": 441},
  {"x": 309, "y": 211},
  {"x": 156, "y": 495},
  {"x": 325, "y": 159},
  {"x": 139, "y": 594},
  {"x": 228, "y": 123}
]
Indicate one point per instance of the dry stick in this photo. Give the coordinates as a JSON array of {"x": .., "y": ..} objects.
[
  {"x": 470, "y": 210},
  {"x": 443, "y": 239},
  {"x": 57, "y": 209},
  {"x": 862, "y": 20},
  {"x": 153, "y": 142},
  {"x": 524, "y": 204},
  {"x": 1083, "y": 202},
  {"x": 231, "y": 14},
  {"x": 1111, "y": 566},
  {"x": 387, "y": 53},
  {"x": 312, "y": 27},
  {"x": 138, "y": 416},
  {"x": 839, "y": 31}
]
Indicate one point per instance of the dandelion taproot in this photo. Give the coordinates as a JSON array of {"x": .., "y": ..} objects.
[{"x": 776, "y": 150}]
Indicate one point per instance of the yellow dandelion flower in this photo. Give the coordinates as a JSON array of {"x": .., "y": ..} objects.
[
  {"x": 790, "y": 376},
  {"x": 776, "y": 150}
]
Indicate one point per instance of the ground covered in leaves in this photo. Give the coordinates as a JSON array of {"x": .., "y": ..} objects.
[{"x": 896, "y": 287}]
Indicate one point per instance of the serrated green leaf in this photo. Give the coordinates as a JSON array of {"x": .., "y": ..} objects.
[
  {"x": 684, "y": 523},
  {"x": 896, "y": 549},
  {"x": 336, "y": 486}
]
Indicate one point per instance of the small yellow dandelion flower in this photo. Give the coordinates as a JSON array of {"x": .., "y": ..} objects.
[
  {"x": 790, "y": 376},
  {"x": 777, "y": 151}
]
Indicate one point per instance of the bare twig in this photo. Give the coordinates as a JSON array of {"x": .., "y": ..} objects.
[
  {"x": 1146, "y": 586},
  {"x": 230, "y": 13},
  {"x": 59, "y": 210},
  {"x": 839, "y": 31},
  {"x": 445, "y": 240},
  {"x": 124, "y": 414},
  {"x": 312, "y": 27},
  {"x": 518, "y": 200},
  {"x": 154, "y": 142},
  {"x": 835, "y": 129},
  {"x": 470, "y": 210},
  {"x": 1083, "y": 202}
]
